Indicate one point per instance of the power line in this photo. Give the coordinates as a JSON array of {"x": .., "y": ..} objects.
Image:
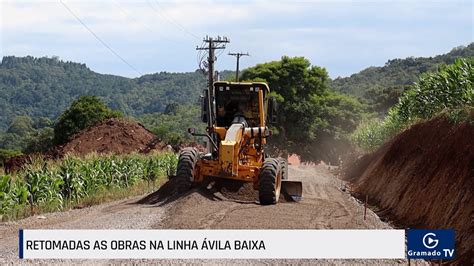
[
  {"x": 177, "y": 23},
  {"x": 219, "y": 53},
  {"x": 98, "y": 38},
  {"x": 129, "y": 15},
  {"x": 171, "y": 21},
  {"x": 200, "y": 58}
]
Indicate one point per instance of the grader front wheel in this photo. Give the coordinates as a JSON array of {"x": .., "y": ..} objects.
[
  {"x": 269, "y": 182},
  {"x": 185, "y": 169}
]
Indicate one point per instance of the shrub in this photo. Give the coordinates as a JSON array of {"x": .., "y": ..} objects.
[{"x": 84, "y": 112}]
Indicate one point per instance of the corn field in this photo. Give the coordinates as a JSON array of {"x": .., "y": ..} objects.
[
  {"x": 58, "y": 184},
  {"x": 449, "y": 91}
]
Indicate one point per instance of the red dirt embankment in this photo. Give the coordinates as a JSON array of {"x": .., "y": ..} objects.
[{"x": 424, "y": 178}]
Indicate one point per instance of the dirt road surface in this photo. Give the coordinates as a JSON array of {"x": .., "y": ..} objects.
[{"x": 324, "y": 206}]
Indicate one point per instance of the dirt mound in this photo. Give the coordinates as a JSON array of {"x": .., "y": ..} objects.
[
  {"x": 424, "y": 178},
  {"x": 212, "y": 188},
  {"x": 215, "y": 189},
  {"x": 116, "y": 136},
  {"x": 166, "y": 193},
  {"x": 236, "y": 190}
]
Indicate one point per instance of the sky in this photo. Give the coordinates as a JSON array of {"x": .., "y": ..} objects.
[{"x": 132, "y": 38}]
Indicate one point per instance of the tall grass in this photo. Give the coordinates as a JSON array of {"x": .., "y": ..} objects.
[{"x": 52, "y": 186}]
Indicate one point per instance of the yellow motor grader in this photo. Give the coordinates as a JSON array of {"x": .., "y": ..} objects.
[{"x": 237, "y": 116}]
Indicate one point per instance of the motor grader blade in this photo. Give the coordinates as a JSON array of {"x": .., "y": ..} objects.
[{"x": 294, "y": 189}]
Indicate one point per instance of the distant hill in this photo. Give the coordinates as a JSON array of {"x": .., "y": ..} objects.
[
  {"x": 383, "y": 85},
  {"x": 397, "y": 72},
  {"x": 45, "y": 87}
]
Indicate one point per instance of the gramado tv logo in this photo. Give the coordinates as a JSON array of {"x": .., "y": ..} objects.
[{"x": 430, "y": 244}]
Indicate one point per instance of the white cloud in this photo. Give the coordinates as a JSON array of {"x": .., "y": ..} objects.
[{"x": 327, "y": 32}]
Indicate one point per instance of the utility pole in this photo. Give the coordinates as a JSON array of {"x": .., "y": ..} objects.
[
  {"x": 238, "y": 55},
  {"x": 212, "y": 45}
]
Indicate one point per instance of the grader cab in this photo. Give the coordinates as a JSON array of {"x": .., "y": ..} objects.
[{"x": 237, "y": 116}]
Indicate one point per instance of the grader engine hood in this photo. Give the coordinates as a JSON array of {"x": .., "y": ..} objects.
[
  {"x": 229, "y": 150},
  {"x": 231, "y": 146}
]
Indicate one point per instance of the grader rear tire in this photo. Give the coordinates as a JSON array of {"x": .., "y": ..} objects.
[
  {"x": 269, "y": 182},
  {"x": 185, "y": 171}
]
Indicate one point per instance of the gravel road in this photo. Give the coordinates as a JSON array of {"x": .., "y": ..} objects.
[{"x": 324, "y": 206}]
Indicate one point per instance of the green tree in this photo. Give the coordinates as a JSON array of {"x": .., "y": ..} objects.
[
  {"x": 381, "y": 99},
  {"x": 28, "y": 135},
  {"x": 313, "y": 121},
  {"x": 21, "y": 125},
  {"x": 40, "y": 141},
  {"x": 17, "y": 135},
  {"x": 43, "y": 122},
  {"x": 84, "y": 112},
  {"x": 171, "y": 109},
  {"x": 172, "y": 127}
]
